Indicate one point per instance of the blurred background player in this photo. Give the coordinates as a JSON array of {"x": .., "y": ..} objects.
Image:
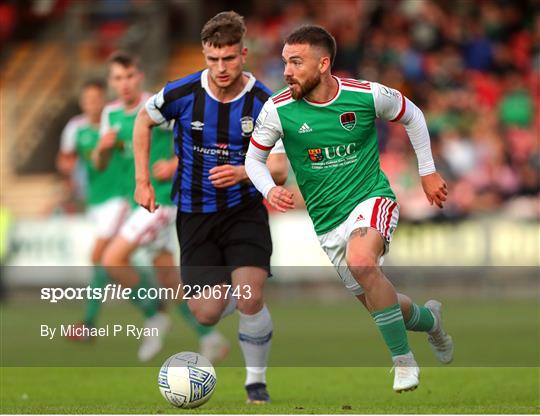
[
  {"x": 328, "y": 128},
  {"x": 105, "y": 200},
  {"x": 144, "y": 229},
  {"x": 222, "y": 224}
]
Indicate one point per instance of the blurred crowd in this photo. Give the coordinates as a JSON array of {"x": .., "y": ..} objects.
[{"x": 473, "y": 68}]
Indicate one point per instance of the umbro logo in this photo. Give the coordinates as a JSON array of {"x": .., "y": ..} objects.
[
  {"x": 305, "y": 128},
  {"x": 197, "y": 125}
]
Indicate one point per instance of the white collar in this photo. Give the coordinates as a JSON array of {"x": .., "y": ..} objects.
[{"x": 248, "y": 87}]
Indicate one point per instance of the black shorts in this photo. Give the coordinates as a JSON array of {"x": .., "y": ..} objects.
[{"x": 213, "y": 245}]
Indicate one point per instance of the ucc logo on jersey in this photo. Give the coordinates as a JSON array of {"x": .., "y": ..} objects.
[
  {"x": 247, "y": 125},
  {"x": 348, "y": 120},
  {"x": 315, "y": 155}
]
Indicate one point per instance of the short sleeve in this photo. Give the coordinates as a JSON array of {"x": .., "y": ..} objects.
[
  {"x": 68, "y": 139},
  {"x": 104, "y": 124},
  {"x": 154, "y": 107},
  {"x": 268, "y": 128},
  {"x": 389, "y": 103}
]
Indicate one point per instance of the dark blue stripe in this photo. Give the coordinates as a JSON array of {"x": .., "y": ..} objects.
[
  {"x": 255, "y": 340},
  {"x": 199, "y": 103},
  {"x": 222, "y": 141},
  {"x": 187, "y": 162},
  {"x": 209, "y": 161},
  {"x": 190, "y": 103},
  {"x": 176, "y": 186}
]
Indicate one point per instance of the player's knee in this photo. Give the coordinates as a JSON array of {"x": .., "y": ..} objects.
[
  {"x": 363, "y": 267},
  {"x": 250, "y": 305},
  {"x": 205, "y": 316},
  {"x": 361, "y": 260}
]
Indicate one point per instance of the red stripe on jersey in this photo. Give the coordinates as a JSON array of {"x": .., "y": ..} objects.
[
  {"x": 281, "y": 96},
  {"x": 284, "y": 98},
  {"x": 345, "y": 84},
  {"x": 398, "y": 117},
  {"x": 285, "y": 91},
  {"x": 260, "y": 146},
  {"x": 354, "y": 83},
  {"x": 375, "y": 213}
]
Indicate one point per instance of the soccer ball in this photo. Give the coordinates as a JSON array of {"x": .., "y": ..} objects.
[{"x": 187, "y": 380}]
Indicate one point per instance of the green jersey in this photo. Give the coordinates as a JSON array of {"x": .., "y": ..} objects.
[
  {"x": 116, "y": 117},
  {"x": 332, "y": 146},
  {"x": 81, "y": 137}
]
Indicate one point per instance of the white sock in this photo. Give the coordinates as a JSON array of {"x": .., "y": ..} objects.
[
  {"x": 230, "y": 308},
  {"x": 255, "y": 337}
]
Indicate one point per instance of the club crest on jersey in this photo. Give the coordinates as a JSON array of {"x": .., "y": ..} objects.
[
  {"x": 315, "y": 155},
  {"x": 348, "y": 120},
  {"x": 247, "y": 125}
]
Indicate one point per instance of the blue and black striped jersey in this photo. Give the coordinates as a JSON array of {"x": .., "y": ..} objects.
[{"x": 208, "y": 133}]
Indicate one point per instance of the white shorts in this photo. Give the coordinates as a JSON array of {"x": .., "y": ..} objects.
[
  {"x": 109, "y": 216},
  {"x": 152, "y": 229},
  {"x": 379, "y": 213}
]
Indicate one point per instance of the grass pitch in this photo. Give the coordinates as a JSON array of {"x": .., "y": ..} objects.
[{"x": 326, "y": 358}]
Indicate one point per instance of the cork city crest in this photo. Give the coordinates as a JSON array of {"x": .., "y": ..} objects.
[
  {"x": 315, "y": 155},
  {"x": 247, "y": 124},
  {"x": 348, "y": 120}
]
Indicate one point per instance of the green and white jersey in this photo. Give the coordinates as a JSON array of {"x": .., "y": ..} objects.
[
  {"x": 115, "y": 117},
  {"x": 332, "y": 146},
  {"x": 81, "y": 137}
]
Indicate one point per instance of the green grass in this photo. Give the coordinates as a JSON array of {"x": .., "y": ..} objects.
[
  {"x": 294, "y": 390},
  {"x": 326, "y": 358}
]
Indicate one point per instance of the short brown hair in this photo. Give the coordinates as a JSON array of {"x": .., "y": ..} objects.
[
  {"x": 124, "y": 59},
  {"x": 224, "y": 29},
  {"x": 94, "y": 83},
  {"x": 315, "y": 36}
]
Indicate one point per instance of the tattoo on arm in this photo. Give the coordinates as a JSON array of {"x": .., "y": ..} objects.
[{"x": 361, "y": 232}]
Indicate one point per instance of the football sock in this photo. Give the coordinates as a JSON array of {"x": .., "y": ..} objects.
[
  {"x": 255, "y": 337},
  {"x": 189, "y": 319},
  {"x": 149, "y": 307},
  {"x": 421, "y": 319},
  {"x": 99, "y": 280},
  {"x": 390, "y": 323}
]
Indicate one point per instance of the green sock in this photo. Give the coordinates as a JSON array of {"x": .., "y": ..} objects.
[
  {"x": 421, "y": 319},
  {"x": 149, "y": 307},
  {"x": 99, "y": 280},
  {"x": 201, "y": 330},
  {"x": 390, "y": 323}
]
